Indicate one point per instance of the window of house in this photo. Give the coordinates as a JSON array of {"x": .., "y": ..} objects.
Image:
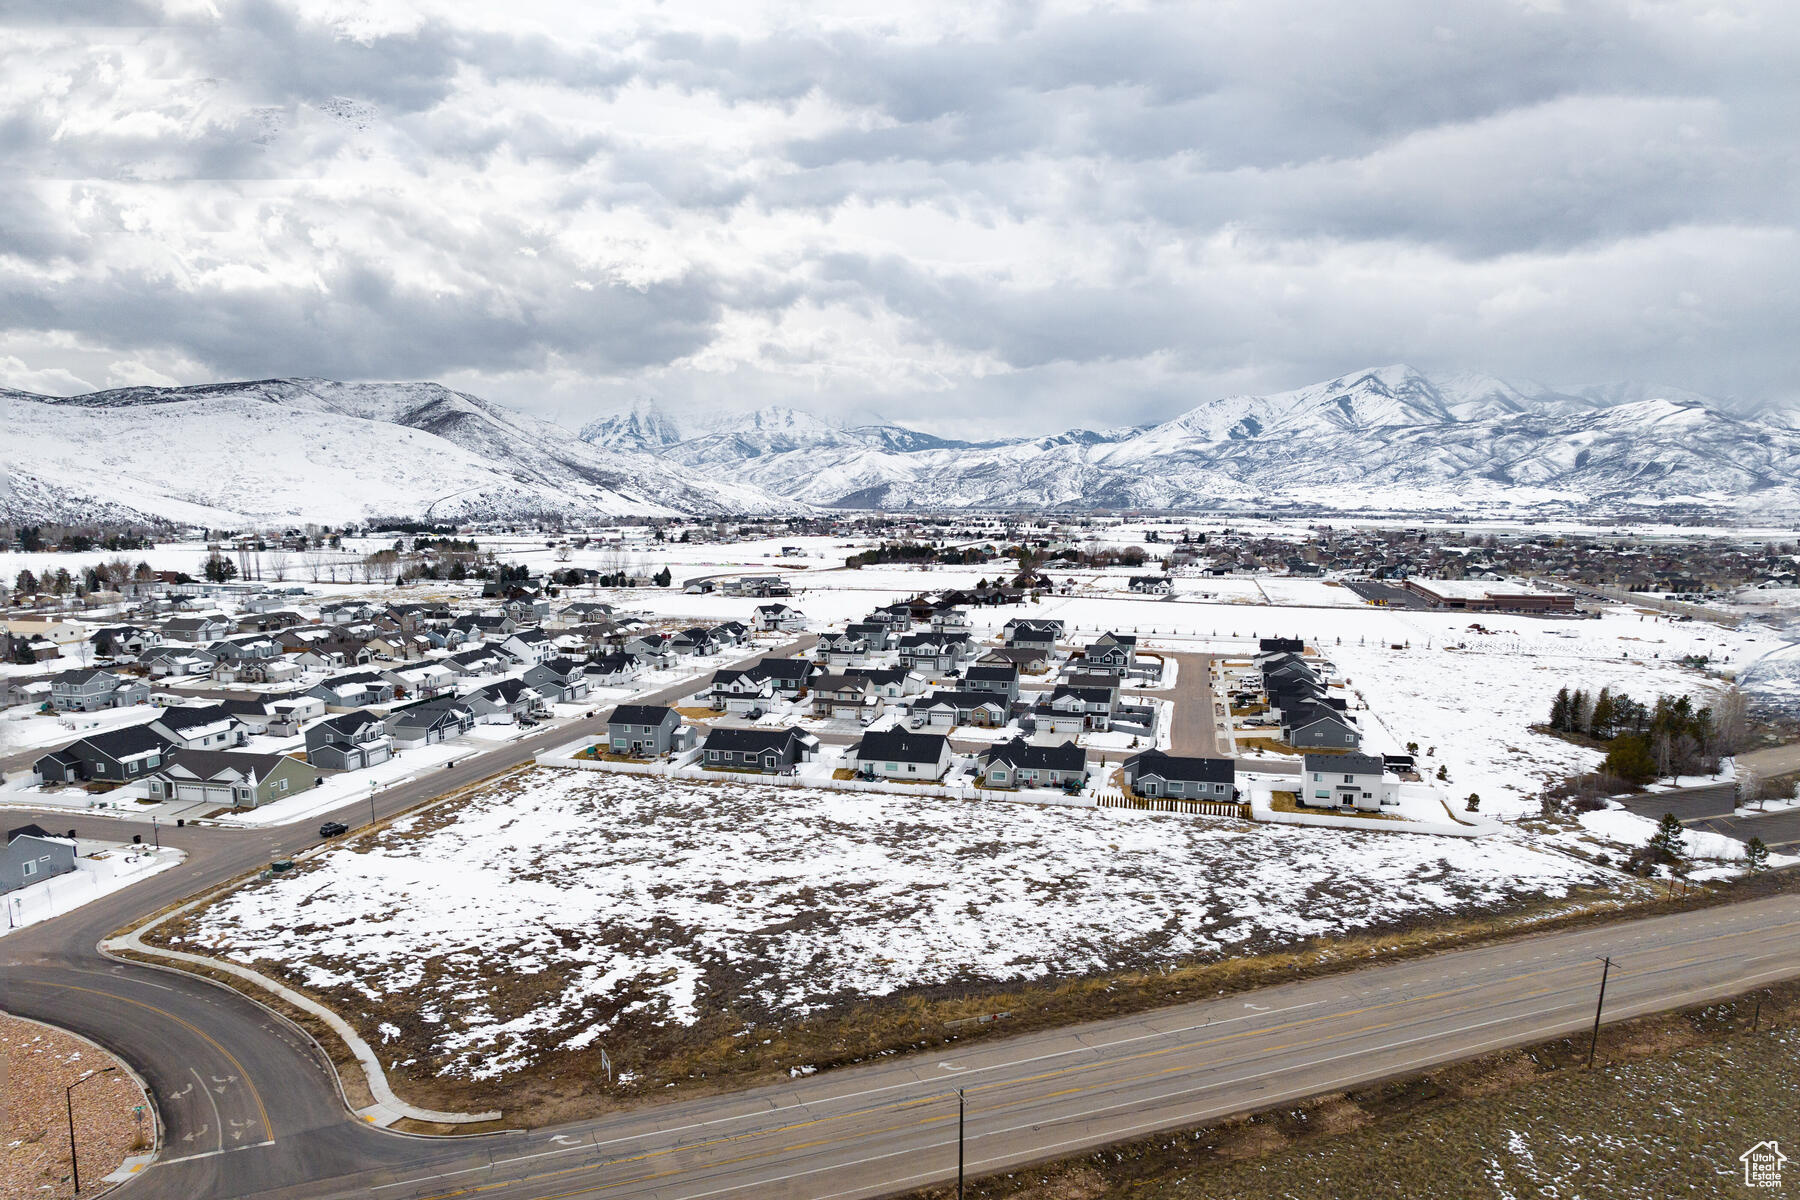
[{"x": 28, "y": 869}]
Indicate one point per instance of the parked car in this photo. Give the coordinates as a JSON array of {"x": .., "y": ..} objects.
[{"x": 331, "y": 829}]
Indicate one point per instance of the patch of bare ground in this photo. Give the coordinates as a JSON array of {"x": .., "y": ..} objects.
[
  {"x": 715, "y": 1054},
  {"x": 1673, "y": 1100},
  {"x": 111, "y": 1115}
]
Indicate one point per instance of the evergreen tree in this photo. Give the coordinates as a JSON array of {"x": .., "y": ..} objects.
[
  {"x": 1584, "y": 712},
  {"x": 1756, "y": 855},
  {"x": 1629, "y": 758},
  {"x": 1670, "y": 839},
  {"x": 664, "y": 578},
  {"x": 1559, "y": 711},
  {"x": 1604, "y": 715}
]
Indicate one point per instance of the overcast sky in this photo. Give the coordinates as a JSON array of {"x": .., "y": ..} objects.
[{"x": 978, "y": 219}]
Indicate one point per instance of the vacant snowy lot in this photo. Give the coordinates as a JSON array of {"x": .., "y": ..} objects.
[{"x": 568, "y": 907}]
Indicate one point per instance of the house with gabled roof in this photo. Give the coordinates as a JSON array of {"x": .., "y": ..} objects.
[
  {"x": 902, "y": 754},
  {"x": 770, "y": 751},
  {"x": 230, "y": 778},
  {"x": 1156, "y": 774},
  {"x": 1021, "y": 764},
  {"x": 115, "y": 756},
  {"x": 348, "y": 742},
  {"x": 200, "y": 727},
  {"x": 643, "y": 729}
]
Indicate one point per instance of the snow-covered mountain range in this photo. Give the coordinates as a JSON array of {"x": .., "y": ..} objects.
[
  {"x": 1386, "y": 438},
  {"x": 1391, "y": 438},
  {"x": 311, "y": 449}
]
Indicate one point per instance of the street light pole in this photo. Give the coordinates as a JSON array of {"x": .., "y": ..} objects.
[
  {"x": 959, "y": 1144},
  {"x": 69, "y": 1106},
  {"x": 156, "y": 832},
  {"x": 371, "y": 802},
  {"x": 1593, "y": 1042}
]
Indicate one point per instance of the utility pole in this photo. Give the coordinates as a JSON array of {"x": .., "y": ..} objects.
[
  {"x": 69, "y": 1106},
  {"x": 1594, "y": 1041},
  {"x": 156, "y": 832},
  {"x": 959, "y": 1143},
  {"x": 371, "y": 802}
]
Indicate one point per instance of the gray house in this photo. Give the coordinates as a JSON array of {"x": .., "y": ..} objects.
[
  {"x": 116, "y": 756},
  {"x": 90, "y": 691},
  {"x": 31, "y": 856},
  {"x": 1154, "y": 773},
  {"x": 1319, "y": 728},
  {"x": 559, "y": 680},
  {"x": 348, "y": 742},
  {"x": 643, "y": 729},
  {"x": 429, "y": 722},
  {"x": 767, "y": 750},
  {"x": 1001, "y": 678},
  {"x": 1018, "y": 764}
]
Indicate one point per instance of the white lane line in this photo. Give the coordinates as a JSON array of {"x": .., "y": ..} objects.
[
  {"x": 805, "y": 1105},
  {"x": 218, "y": 1123},
  {"x": 164, "y": 1162}
]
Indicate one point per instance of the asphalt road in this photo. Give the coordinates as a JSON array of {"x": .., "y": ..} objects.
[
  {"x": 870, "y": 1131},
  {"x": 251, "y": 1109}
]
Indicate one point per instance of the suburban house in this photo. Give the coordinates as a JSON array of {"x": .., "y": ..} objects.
[
  {"x": 949, "y": 620},
  {"x": 1319, "y": 728},
  {"x": 196, "y": 630},
  {"x": 1115, "y": 650},
  {"x": 288, "y": 715},
  {"x": 503, "y": 701},
  {"x": 1093, "y": 706},
  {"x": 90, "y": 691},
  {"x": 348, "y": 742},
  {"x": 771, "y": 751},
  {"x": 1152, "y": 585},
  {"x": 642, "y": 729},
  {"x": 345, "y": 692},
  {"x": 180, "y": 661},
  {"x": 740, "y": 692},
  {"x": 422, "y": 680},
  {"x": 1032, "y": 635},
  {"x": 1018, "y": 764},
  {"x": 201, "y": 727},
  {"x": 116, "y": 756},
  {"x": 530, "y": 646},
  {"x": 902, "y": 754},
  {"x": 31, "y": 855},
  {"x": 693, "y": 642},
  {"x": 429, "y": 722},
  {"x": 559, "y": 680},
  {"x": 491, "y": 627},
  {"x": 1347, "y": 781},
  {"x": 935, "y": 653},
  {"x": 946, "y": 710},
  {"x": 1154, "y": 773},
  {"x": 999, "y": 678},
  {"x": 891, "y": 683},
  {"x": 227, "y": 778},
  {"x": 478, "y": 660},
  {"x": 1025, "y": 658},
  {"x": 841, "y": 649},
  {"x": 250, "y": 646},
  {"x": 652, "y": 650},
  {"x": 788, "y": 676},
  {"x": 611, "y": 670},
  {"x": 778, "y": 618},
  {"x": 874, "y": 634},
  {"x": 850, "y": 696},
  {"x": 123, "y": 641}
]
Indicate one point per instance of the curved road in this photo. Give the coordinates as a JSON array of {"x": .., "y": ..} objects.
[{"x": 250, "y": 1108}]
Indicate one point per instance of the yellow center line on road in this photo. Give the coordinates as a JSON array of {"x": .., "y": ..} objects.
[{"x": 263, "y": 1113}]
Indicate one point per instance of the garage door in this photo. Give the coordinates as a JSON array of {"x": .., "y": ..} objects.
[{"x": 201, "y": 793}]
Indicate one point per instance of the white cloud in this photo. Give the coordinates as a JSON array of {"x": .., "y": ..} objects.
[{"x": 982, "y": 217}]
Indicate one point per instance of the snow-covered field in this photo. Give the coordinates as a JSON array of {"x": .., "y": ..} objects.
[
  {"x": 568, "y": 906},
  {"x": 1475, "y": 709}
]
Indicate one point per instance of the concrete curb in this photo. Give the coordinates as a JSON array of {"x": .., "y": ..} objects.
[{"x": 388, "y": 1107}]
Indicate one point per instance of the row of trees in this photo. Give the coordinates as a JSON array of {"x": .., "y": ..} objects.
[
  {"x": 101, "y": 577},
  {"x": 1667, "y": 847},
  {"x": 1671, "y": 736}
]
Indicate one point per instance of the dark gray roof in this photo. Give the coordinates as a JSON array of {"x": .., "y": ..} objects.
[
  {"x": 758, "y": 740},
  {"x": 1171, "y": 766},
  {"x": 900, "y": 745},
  {"x": 181, "y": 717},
  {"x": 1066, "y": 756},
  {"x": 639, "y": 714},
  {"x": 1345, "y": 764}
]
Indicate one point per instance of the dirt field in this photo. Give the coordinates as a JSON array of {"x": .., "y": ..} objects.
[{"x": 34, "y": 1149}]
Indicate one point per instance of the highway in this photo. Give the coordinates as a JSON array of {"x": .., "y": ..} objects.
[{"x": 250, "y": 1108}]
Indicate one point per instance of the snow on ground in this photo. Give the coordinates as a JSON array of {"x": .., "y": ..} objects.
[
  {"x": 101, "y": 870},
  {"x": 568, "y": 905},
  {"x": 22, "y": 727},
  {"x": 1476, "y": 708}
]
